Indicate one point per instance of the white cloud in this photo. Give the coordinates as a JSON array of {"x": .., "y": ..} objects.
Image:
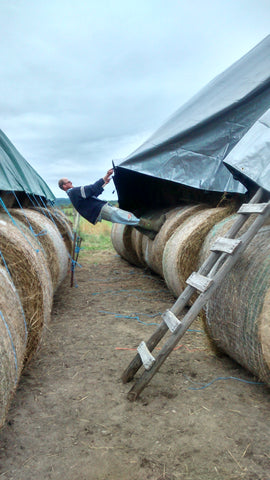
[{"x": 83, "y": 83}]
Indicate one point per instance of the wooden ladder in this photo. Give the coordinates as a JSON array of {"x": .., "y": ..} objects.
[{"x": 224, "y": 253}]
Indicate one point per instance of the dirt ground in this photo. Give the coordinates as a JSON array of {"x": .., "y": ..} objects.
[{"x": 70, "y": 418}]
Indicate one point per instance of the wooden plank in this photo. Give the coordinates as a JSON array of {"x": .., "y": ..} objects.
[
  {"x": 227, "y": 245},
  {"x": 171, "y": 321},
  {"x": 147, "y": 358},
  {"x": 248, "y": 208},
  {"x": 198, "y": 281}
]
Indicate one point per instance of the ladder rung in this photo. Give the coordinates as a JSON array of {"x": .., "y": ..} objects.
[
  {"x": 227, "y": 245},
  {"x": 253, "y": 208},
  {"x": 171, "y": 320},
  {"x": 146, "y": 356},
  {"x": 200, "y": 282}
]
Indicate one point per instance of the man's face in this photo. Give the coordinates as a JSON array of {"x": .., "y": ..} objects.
[{"x": 67, "y": 184}]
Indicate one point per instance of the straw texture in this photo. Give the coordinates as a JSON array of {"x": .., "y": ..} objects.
[
  {"x": 62, "y": 223},
  {"x": 50, "y": 240},
  {"x": 180, "y": 257},
  {"x": 155, "y": 248},
  {"x": 28, "y": 268},
  {"x": 238, "y": 314},
  {"x": 13, "y": 336}
]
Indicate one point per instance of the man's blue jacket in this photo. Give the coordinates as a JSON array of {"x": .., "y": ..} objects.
[{"x": 85, "y": 201}]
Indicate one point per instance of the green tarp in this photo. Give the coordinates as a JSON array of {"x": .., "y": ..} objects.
[{"x": 16, "y": 174}]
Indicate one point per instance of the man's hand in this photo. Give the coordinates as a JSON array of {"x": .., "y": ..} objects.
[{"x": 108, "y": 175}]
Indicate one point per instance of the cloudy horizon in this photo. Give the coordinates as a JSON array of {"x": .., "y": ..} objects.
[{"x": 86, "y": 83}]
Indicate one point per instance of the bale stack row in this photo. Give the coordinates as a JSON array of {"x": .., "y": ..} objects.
[
  {"x": 237, "y": 317},
  {"x": 35, "y": 247}
]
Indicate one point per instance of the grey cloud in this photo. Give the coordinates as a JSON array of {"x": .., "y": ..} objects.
[{"x": 84, "y": 82}]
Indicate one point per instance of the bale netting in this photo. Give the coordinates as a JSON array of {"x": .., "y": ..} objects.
[
  {"x": 13, "y": 337},
  {"x": 238, "y": 313},
  {"x": 154, "y": 248},
  {"x": 180, "y": 256},
  {"x": 50, "y": 240},
  {"x": 62, "y": 223},
  {"x": 121, "y": 240},
  {"x": 26, "y": 263}
]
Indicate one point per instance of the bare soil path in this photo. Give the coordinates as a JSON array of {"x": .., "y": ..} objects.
[{"x": 70, "y": 418}]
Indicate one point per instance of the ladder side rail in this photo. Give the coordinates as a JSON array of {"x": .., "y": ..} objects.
[
  {"x": 186, "y": 295},
  {"x": 196, "y": 307}
]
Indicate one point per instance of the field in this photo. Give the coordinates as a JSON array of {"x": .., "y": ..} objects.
[{"x": 202, "y": 417}]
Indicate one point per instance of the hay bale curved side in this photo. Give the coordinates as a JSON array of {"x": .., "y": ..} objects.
[
  {"x": 121, "y": 240},
  {"x": 180, "y": 256},
  {"x": 238, "y": 313},
  {"x": 137, "y": 239},
  {"x": 13, "y": 337},
  {"x": 51, "y": 241},
  {"x": 155, "y": 248},
  {"x": 62, "y": 223},
  {"x": 31, "y": 277}
]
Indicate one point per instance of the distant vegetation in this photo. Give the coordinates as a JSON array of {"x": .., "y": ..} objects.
[
  {"x": 62, "y": 202},
  {"x": 94, "y": 237}
]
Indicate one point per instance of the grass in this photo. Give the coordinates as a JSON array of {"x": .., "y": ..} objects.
[{"x": 94, "y": 237}]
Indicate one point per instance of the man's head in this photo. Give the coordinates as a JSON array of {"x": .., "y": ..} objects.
[{"x": 64, "y": 184}]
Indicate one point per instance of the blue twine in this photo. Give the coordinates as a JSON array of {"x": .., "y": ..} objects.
[
  {"x": 29, "y": 224},
  {"x": 136, "y": 317},
  {"x": 12, "y": 345},
  {"x": 223, "y": 378},
  {"x": 31, "y": 200},
  {"x": 24, "y": 320},
  {"x": 47, "y": 210},
  {"x": 16, "y": 225}
]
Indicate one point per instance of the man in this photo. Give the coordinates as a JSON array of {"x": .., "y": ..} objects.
[{"x": 85, "y": 201}]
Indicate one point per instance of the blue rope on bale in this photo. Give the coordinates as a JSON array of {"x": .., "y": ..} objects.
[
  {"x": 41, "y": 233},
  {"x": 16, "y": 225},
  {"x": 12, "y": 345},
  {"x": 15, "y": 290}
]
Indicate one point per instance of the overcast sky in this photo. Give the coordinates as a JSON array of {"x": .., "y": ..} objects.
[{"x": 87, "y": 82}]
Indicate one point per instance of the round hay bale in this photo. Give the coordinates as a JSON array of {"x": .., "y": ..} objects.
[
  {"x": 155, "y": 248},
  {"x": 13, "y": 337},
  {"x": 121, "y": 240},
  {"x": 30, "y": 275},
  {"x": 50, "y": 240},
  {"x": 62, "y": 223},
  {"x": 238, "y": 313},
  {"x": 180, "y": 256},
  {"x": 219, "y": 230},
  {"x": 137, "y": 245}
]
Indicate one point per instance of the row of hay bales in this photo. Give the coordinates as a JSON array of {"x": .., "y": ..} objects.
[
  {"x": 237, "y": 317},
  {"x": 35, "y": 248}
]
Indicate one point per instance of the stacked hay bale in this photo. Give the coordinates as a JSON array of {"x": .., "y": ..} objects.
[
  {"x": 13, "y": 338},
  {"x": 62, "y": 223},
  {"x": 27, "y": 265},
  {"x": 154, "y": 249},
  {"x": 180, "y": 256},
  {"x": 34, "y": 259},
  {"x": 122, "y": 242},
  {"x": 50, "y": 240},
  {"x": 237, "y": 315}
]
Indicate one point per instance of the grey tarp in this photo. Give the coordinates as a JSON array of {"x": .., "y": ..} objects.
[
  {"x": 250, "y": 158},
  {"x": 190, "y": 147},
  {"x": 16, "y": 174}
]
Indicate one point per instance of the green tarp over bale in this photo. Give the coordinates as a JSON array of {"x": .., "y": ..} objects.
[{"x": 16, "y": 174}]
